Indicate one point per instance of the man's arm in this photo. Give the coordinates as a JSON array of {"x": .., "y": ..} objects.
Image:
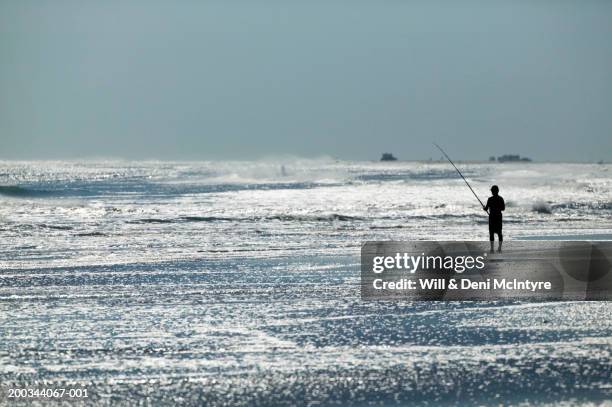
[
  {"x": 486, "y": 207},
  {"x": 503, "y": 204}
]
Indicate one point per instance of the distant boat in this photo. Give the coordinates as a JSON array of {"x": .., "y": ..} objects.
[
  {"x": 512, "y": 158},
  {"x": 388, "y": 157}
]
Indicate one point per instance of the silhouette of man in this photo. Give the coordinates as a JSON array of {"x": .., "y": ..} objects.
[{"x": 495, "y": 206}]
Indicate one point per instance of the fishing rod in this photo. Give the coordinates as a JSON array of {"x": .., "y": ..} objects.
[{"x": 453, "y": 164}]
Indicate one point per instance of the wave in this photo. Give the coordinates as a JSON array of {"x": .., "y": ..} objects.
[
  {"x": 22, "y": 192},
  {"x": 114, "y": 187},
  {"x": 429, "y": 175},
  {"x": 541, "y": 207},
  {"x": 549, "y": 207},
  {"x": 90, "y": 234},
  {"x": 283, "y": 218},
  {"x": 388, "y": 227},
  {"x": 205, "y": 218},
  {"x": 311, "y": 218},
  {"x": 152, "y": 220},
  {"x": 55, "y": 227},
  {"x": 584, "y": 205},
  {"x": 333, "y": 217}
]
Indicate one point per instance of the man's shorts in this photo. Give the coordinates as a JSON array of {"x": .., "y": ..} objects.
[{"x": 495, "y": 226}]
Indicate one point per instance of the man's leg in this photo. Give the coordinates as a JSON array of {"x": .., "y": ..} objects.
[
  {"x": 491, "y": 237},
  {"x": 501, "y": 239}
]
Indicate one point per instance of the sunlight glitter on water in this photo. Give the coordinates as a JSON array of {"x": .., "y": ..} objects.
[{"x": 238, "y": 283}]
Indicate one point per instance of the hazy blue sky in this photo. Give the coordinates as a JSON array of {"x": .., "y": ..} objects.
[{"x": 350, "y": 79}]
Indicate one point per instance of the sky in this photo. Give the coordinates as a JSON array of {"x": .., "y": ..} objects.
[{"x": 347, "y": 79}]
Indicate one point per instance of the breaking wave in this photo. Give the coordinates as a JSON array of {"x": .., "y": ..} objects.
[
  {"x": 548, "y": 208},
  {"x": 584, "y": 205},
  {"x": 541, "y": 207}
]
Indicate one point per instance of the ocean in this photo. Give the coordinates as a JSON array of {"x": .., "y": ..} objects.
[{"x": 237, "y": 283}]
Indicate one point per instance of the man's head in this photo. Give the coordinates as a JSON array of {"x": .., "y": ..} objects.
[{"x": 495, "y": 190}]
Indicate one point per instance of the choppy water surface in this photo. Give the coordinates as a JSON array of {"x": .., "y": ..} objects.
[{"x": 236, "y": 283}]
